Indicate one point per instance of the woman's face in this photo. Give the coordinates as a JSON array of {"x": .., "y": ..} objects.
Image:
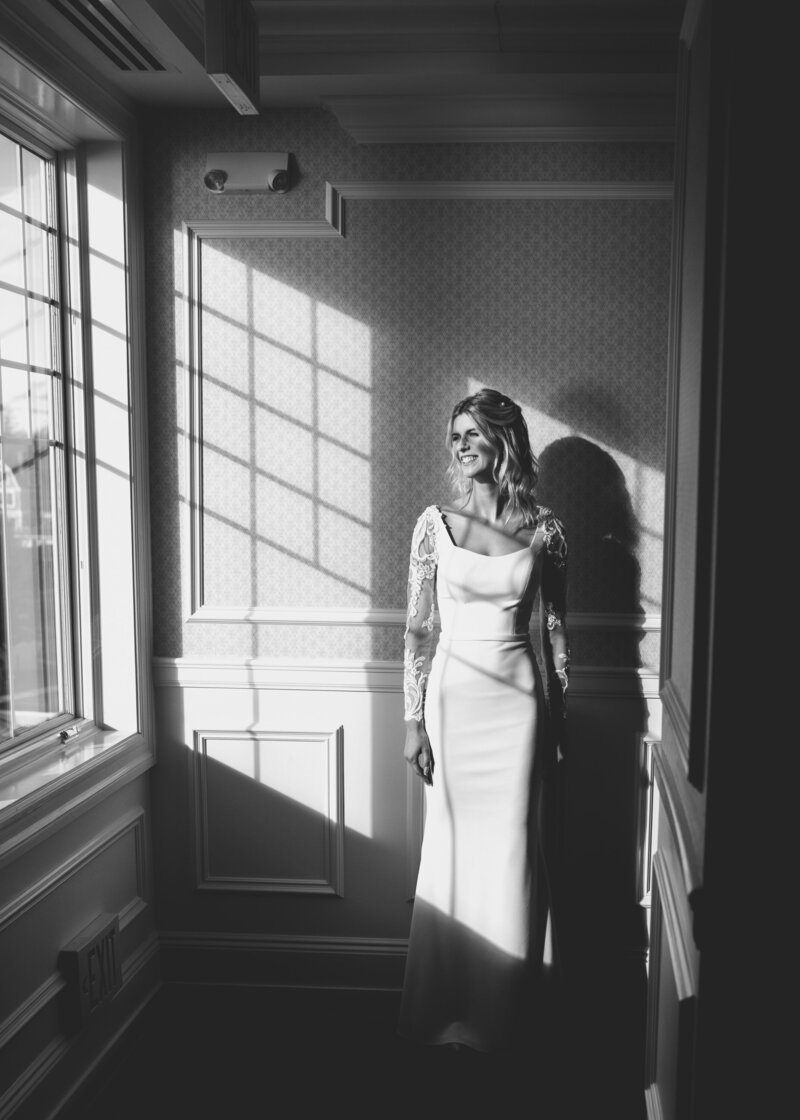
[{"x": 474, "y": 452}]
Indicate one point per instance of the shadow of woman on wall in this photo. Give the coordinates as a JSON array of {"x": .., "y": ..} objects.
[{"x": 595, "y": 841}]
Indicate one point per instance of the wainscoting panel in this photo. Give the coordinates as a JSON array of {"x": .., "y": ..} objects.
[
  {"x": 97, "y": 863},
  {"x": 289, "y": 792},
  {"x": 673, "y": 991},
  {"x": 288, "y": 824}
]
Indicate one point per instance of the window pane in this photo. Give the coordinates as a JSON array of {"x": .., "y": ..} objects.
[
  {"x": 13, "y": 339},
  {"x": 31, "y": 691},
  {"x": 39, "y": 333},
  {"x": 11, "y": 261},
  {"x": 37, "y": 269},
  {"x": 34, "y": 186},
  {"x": 9, "y": 173},
  {"x": 32, "y": 668}
]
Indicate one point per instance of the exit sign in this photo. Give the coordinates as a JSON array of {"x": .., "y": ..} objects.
[{"x": 92, "y": 968}]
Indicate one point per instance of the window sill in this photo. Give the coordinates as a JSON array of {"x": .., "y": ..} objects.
[{"x": 29, "y": 777}]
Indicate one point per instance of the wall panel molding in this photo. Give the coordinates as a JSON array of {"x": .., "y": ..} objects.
[
  {"x": 58, "y": 874},
  {"x": 47, "y": 991},
  {"x": 682, "y": 817},
  {"x": 337, "y": 198},
  {"x": 673, "y": 993},
  {"x": 362, "y": 676},
  {"x": 325, "y": 836},
  {"x": 46, "y": 1061}
]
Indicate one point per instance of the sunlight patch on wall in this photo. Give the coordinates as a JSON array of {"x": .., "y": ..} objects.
[
  {"x": 286, "y": 408},
  {"x": 281, "y": 313},
  {"x": 284, "y": 767},
  {"x": 284, "y": 381},
  {"x": 288, "y": 508},
  {"x": 226, "y": 417},
  {"x": 344, "y": 345},
  {"x": 227, "y": 496},
  {"x": 344, "y": 412},
  {"x": 345, "y": 480},
  {"x": 353, "y": 562},
  {"x": 283, "y": 450},
  {"x": 218, "y": 264}
]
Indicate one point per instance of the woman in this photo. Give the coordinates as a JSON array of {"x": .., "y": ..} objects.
[{"x": 479, "y": 731}]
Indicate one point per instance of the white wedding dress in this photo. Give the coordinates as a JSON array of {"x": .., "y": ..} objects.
[{"x": 480, "y": 917}]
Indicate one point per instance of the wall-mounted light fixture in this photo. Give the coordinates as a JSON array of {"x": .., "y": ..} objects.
[{"x": 247, "y": 172}]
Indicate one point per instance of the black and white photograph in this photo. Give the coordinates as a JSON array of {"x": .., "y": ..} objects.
[{"x": 381, "y": 560}]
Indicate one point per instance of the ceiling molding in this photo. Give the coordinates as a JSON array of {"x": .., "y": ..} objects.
[
  {"x": 45, "y": 90},
  {"x": 539, "y": 117},
  {"x": 404, "y": 71}
]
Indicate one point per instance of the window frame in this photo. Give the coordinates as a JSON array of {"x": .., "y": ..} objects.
[
  {"x": 46, "y": 729},
  {"x": 76, "y": 751}
]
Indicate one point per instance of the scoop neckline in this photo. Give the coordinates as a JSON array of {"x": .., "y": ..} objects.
[{"x": 471, "y": 551}]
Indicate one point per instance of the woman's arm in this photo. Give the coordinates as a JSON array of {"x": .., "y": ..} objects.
[
  {"x": 418, "y": 643},
  {"x": 555, "y": 637}
]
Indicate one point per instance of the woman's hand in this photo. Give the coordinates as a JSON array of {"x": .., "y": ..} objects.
[{"x": 417, "y": 751}]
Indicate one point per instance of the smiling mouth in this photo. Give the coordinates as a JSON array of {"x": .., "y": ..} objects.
[{"x": 468, "y": 458}]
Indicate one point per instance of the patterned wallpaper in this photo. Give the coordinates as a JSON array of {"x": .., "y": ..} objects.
[{"x": 329, "y": 367}]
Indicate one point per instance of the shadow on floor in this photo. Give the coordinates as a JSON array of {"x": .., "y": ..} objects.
[{"x": 242, "y": 1053}]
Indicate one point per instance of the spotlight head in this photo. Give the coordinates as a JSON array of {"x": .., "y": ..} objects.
[
  {"x": 215, "y": 180},
  {"x": 278, "y": 180}
]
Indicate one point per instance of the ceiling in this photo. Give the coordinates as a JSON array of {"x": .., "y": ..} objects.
[{"x": 395, "y": 70}]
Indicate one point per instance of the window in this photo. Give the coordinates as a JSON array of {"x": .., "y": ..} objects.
[
  {"x": 35, "y": 661},
  {"x": 73, "y": 543}
]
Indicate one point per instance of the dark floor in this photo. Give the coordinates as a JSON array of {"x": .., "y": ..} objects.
[{"x": 237, "y": 1053}]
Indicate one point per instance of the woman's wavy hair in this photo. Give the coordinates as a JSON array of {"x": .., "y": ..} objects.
[{"x": 516, "y": 468}]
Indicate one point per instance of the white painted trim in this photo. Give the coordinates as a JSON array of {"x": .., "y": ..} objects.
[
  {"x": 140, "y": 459},
  {"x": 682, "y": 810},
  {"x": 652, "y": 1100},
  {"x": 207, "y": 228},
  {"x": 336, "y": 194},
  {"x": 131, "y": 758},
  {"x": 302, "y": 616},
  {"x": 511, "y": 134},
  {"x": 285, "y": 943},
  {"x": 46, "y": 90},
  {"x": 313, "y": 675},
  {"x": 333, "y": 882},
  {"x": 394, "y": 616},
  {"x": 682, "y": 953},
  {"x": 56, "y": 876},
  {"x": 501, "y": 189}
]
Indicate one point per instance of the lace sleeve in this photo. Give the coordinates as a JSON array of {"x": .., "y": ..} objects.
[
  {"x": 420, "y": 615},
  {"x": 553, "y": 609}
]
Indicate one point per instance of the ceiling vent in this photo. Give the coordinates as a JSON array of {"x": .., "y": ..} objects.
[{"x": 110, "y": 30}]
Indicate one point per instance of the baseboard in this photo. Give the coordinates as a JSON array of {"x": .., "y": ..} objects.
[{"x": 305, "y": 962}]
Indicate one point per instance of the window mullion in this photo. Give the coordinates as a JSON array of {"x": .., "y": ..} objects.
[
  {"x": 80, "y": 232},
  {"x": 63, "y": 520},
  {"x": 6, "y": 607}
]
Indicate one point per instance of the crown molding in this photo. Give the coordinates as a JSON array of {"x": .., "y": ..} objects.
[{"x": 642, "y": 113}]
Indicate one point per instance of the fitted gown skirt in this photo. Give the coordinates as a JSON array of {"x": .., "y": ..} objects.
[{"x": 479, "y": 922}]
